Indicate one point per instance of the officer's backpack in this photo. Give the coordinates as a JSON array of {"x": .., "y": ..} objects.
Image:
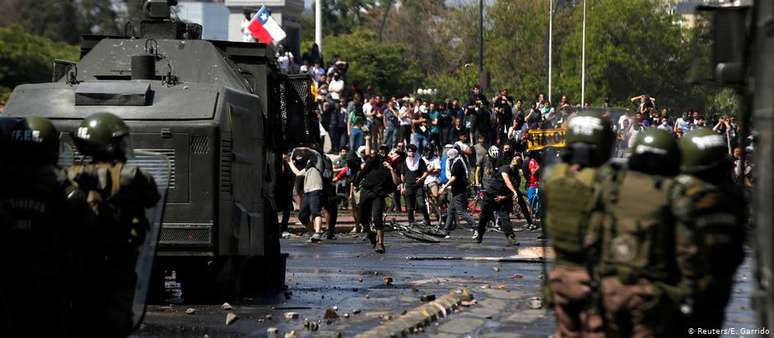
[{"x": 569, "y": 196}]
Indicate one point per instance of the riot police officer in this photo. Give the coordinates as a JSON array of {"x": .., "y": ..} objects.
[
  {"x": 567, "y": 186},
  {"x": 117, "y": 195},
  {"x": 633, "y": 231},
  {"x": 711, "y": 215},
  {"x": 35, "y": 224}
]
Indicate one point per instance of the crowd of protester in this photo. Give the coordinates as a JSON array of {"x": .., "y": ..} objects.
[{"x": 442, "y": 149}]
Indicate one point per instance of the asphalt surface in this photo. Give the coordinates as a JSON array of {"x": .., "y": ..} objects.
[{"x": 345, "y": 273}]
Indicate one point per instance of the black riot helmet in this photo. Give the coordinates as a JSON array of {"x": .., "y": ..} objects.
[
  {"x": 32, "y": 140},
  {"x": 104, "y": 137},
  {"x": 655, "y": 152},
  {"x": 589, "y": 139}
]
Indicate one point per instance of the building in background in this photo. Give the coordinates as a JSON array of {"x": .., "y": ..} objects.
[
  {"x": 212, "y": 15},
  {"x": 286, "y": 12}
]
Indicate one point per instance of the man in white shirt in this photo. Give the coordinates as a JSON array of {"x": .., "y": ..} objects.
[{"x": 336, "y": 86}]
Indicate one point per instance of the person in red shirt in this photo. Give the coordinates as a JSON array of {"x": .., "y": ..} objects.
[{"x": 533, "y": 191}]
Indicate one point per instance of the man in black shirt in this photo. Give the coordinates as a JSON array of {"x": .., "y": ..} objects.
[
  {"x": 413, "y": 172},
  {"x": 503, "y": 107},
  {"x": 498, "y": 198},
  {"x": 379, "y": 178},
  {"x": 457, "y": 172}
]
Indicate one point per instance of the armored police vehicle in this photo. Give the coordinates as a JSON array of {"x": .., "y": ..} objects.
[{"x": 220, "y": 111}]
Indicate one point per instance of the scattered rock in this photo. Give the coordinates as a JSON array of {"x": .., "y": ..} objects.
[
  {"x": 368, "y": 297},
  {"x": 330, "y": 314},
  {"x": 291, "y": 334},
  {"x": 360, "y": 280},
  {"x": 268, "y": 317},
  {"x": 356, "y": 311},
  {"x": 403, "y": 312},
  {"x": 496, "y": 269},
  {"x": 535, "y": 303},
  {"x": 465, "y": 295},
  {"x": 291, "y": 315},
  {"x": 314, "y": 326},
  {"x": 272, "y": 331},
  {"x": 387, "y": 280},
  {"x": 427, "y": 298},
  {"x": 500, "y": 286},
  {"x": 346, "y": 315},
  {"x": 335, "y": 308},
  {"x": 467, "y": 303},
  {"x": 206, "y": 336},
  {"x": 485, "y": 286},
  {"x": 190, "y": 311},
  {"x": 517, "y": 276},
  {"x": 260, "y": 320},
  {"x": 226, "y": 306},
  {"x": 230, "y": 318},
  {"x": 355, "y": 289},
  {"x": 337, "y": 335},
  {"x": 387, "y": 317}
]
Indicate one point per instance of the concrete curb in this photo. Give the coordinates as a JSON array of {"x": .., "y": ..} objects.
[{"x": 420, "y": 316}]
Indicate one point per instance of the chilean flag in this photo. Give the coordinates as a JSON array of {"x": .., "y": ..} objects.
[{"x": 264, "y": 28}]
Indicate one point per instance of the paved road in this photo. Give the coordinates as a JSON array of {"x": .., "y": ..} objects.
[{"x": 347, "y": 274}]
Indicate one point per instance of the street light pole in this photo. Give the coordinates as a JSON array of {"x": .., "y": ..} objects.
[
  {"x": 550, "y": 43},
  {"x": 583, "y": 59},
  {"x": 481, "y": 40},
  {"x": 318, "y": 24}
]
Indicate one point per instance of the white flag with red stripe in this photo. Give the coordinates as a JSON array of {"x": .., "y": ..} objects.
[{"x": 264, "y": 28}]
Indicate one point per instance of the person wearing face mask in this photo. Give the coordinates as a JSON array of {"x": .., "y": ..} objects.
[
  {"x": 457, "y": 172},
  {"x": 378, "y": 178},
  {"x": 413, "y": 172}
]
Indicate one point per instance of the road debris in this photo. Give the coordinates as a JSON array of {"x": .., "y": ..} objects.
[
  {"x": 291, "y": 334},
  {"x": 230, "y": 318},
  {"x": 226, "y": 306},
  {"x": 387, "y": 280},
  {"x": 190, "y": 311},
  {"x": 505, "y": 259},
  {"x": 272, "y": 331},
  {"x": 535, "y": 303},
  {"x": 291, "y": 315},
  {"x": 330, "y": 314},
  {"x": 427, "y": 298}
]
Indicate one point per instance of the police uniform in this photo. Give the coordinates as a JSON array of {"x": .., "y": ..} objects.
[
  {"x": 569, "y": 188},
  {"x": 36, "y": 225},
  {"x": 710, "y": 214},
  {"x": 116, "y": 196},
  {"x": 569, "y": 282},
  {"x": 633, "y": 227}
]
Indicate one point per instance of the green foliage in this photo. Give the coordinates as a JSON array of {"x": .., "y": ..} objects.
[
  {"x": 725, "y": 102},
  {"x": 28, "y": 58},
  {"x": 382, "y": 65},
  {"x": 65, "y": 20},
  {"x": 631, "y": 48}
]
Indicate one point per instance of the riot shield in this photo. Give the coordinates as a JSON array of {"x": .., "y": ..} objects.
[{"x": 157, "y": 165}]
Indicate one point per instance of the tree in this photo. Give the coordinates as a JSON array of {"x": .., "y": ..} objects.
[
  {"x": 65, "y": 20},
  {"x": 632, "y": 47},
  {"x": 26, "y": 58},
  {"x": 382, "y": 65}
]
